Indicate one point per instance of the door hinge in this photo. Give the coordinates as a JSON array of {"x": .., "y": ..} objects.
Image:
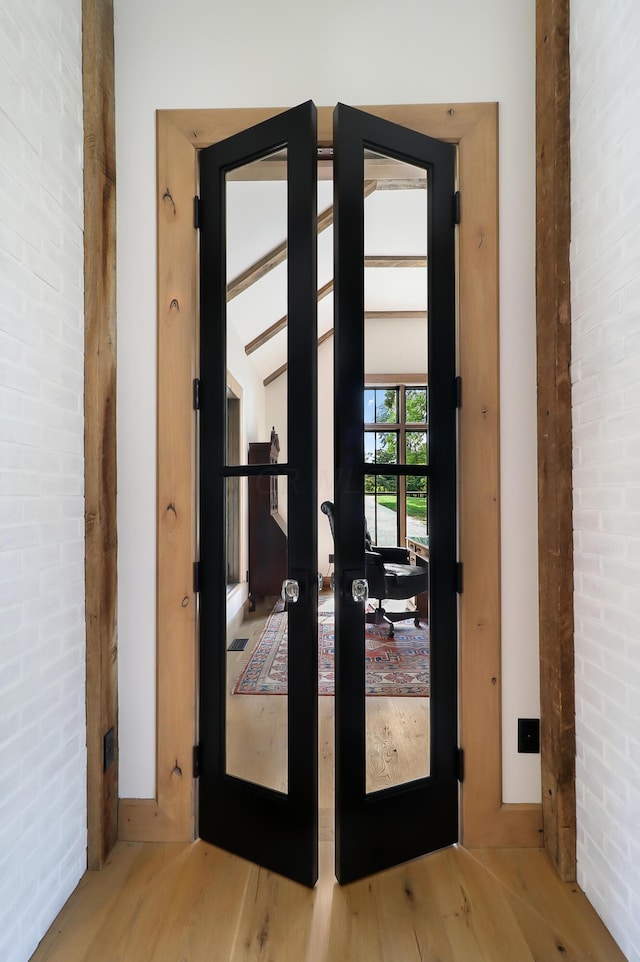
[
  {"x": 196, "y": 576},
  {"x": 458, "y": 391},
  {"x": 196, "y": 394},
  {"x": 459, "y": 577},
  {"x": 197, "y": 212},
  {"x": 456, "y": 207},
  {"x": 197, "y": 761},
  {"x": 460, "y": 764}
]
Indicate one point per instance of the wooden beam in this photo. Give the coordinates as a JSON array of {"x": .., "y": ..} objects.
[
  {"x": 203, "y": 126},
  {"x": 400, "y": 260},
  {"x": 280, "y": 325},
  {"x": 257, "y": 270},
  {"x": 411, "y": 183},
  {"x": 283, "y": 367},
  {"x": 100, "y": 423},
  {"x": 394, "y": 173},
  {"x": 265, "y": 336},
  {"x": 412, "y": 377},
  {"x": 279, "y": 254},
  {"x": 555, "y": 536},
  {"x": 275, "y": 374},
  {"x": 395, "y": 315}
]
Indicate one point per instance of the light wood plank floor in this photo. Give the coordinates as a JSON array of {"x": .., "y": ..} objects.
[
  {"x": 195, "y": 903},
  {"x": 397, "y": 728}
]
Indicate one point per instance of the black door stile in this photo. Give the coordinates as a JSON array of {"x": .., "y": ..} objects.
[
  {"x": 275, "y": 829},
  {"x": 379, "y": 829},
  {"x": 280, "y": 829}
]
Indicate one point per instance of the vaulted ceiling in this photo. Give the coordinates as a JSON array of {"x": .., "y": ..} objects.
[{"x": 395, "y": 257}]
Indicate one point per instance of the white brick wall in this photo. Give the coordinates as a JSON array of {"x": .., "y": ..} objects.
[
  {"x": 42, "y": 638},
  {"x": 605, "y": 266}
]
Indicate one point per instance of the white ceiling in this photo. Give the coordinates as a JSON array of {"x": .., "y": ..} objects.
[{"x": 395, "y": 224}]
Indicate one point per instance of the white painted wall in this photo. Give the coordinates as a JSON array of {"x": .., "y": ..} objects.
[
  {"x": 198, "y": 54},
  {"x": 605, "y": 266},
  {"x": 42, "y": 632}
]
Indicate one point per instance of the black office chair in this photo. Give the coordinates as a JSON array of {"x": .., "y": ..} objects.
[{"x": 389, "y": 575}]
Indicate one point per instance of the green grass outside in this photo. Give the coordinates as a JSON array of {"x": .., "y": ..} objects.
[{"x": 416, "y": 507}]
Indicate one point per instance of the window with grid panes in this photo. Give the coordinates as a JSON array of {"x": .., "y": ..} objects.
[{"x": 396, "y": 430}]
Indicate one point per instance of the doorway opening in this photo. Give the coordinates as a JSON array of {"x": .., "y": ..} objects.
[{"x": 486, "y": 821}]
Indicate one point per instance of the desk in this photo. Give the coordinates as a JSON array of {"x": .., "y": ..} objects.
[{"x": 418, "y": 548}]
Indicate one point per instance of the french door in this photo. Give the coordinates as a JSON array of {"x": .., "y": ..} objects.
[
  {"x": 273, "y": 820},
  {"x": 270, "y": 819},
  {"x": 378, "y": 827}
]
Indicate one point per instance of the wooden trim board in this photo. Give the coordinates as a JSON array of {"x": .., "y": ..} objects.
[
  {"x": 100, "y": 423},
  {"x": 555, "y": 493},
  {"x": 170, "y": 817},
  {"x": 486, "y": 821}
]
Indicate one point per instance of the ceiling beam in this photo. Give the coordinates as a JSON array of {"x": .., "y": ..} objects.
[
  {"x": 396, "y": 174},
  {"x": 278, "y": 254},
  {"x": 280, "y": 325},
  {"x": 402, "y": 183},
  {"x": 257, "y": 270},
  {"x": 374, "y": 261},
  {"x": 395, "y": 315},
  {"x": 385, "y": 315},
  {"x": 283, "y": 367},
  {"x": 395, "y": 260}
]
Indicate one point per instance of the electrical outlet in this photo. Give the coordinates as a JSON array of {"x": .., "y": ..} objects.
[
  {"x": 109, "y": 749},
  {"x": 529, "y": 735}
]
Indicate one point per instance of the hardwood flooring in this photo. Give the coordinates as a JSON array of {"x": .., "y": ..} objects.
[
  {"x": 196, "y": 903},
  {"x": 256, "y": 724},
  {"x": 397, "y": 729}
]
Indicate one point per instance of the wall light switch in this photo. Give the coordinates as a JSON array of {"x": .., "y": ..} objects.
[{"x": 529, "y": 735}]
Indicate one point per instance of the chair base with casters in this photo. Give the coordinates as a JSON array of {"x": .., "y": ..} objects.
[
  {"x": 382, "y": 617},
  {"x": 390, "y": 578}
]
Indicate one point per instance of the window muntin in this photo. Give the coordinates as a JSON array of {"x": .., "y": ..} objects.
[{"x": 396, "y": 506}]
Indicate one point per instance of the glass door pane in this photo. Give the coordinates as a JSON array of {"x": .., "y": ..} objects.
[
  {"x": 396, "y": 644},
  {"x": 257, "y": 494},
  {"x": 255, "y": 197},
  {"x": 394, "y": 470}
]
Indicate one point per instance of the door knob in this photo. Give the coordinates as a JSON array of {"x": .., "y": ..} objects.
[
  {"x": 360, "y": 589},
  {"x": 290, "y": 590}
]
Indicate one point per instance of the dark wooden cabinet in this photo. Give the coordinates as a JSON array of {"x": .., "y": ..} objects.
[{"x": 267, "y": 529}]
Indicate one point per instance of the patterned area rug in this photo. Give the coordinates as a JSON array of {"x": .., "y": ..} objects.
[{"x": 393, "y": 666}]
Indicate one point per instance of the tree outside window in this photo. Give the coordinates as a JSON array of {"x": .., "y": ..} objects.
[{"x": 396, "y": 506}]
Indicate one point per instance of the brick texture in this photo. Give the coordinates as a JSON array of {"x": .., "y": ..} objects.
[
  {"x": 42, "y": 636},
  {"x": 605, "y": 277}
]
